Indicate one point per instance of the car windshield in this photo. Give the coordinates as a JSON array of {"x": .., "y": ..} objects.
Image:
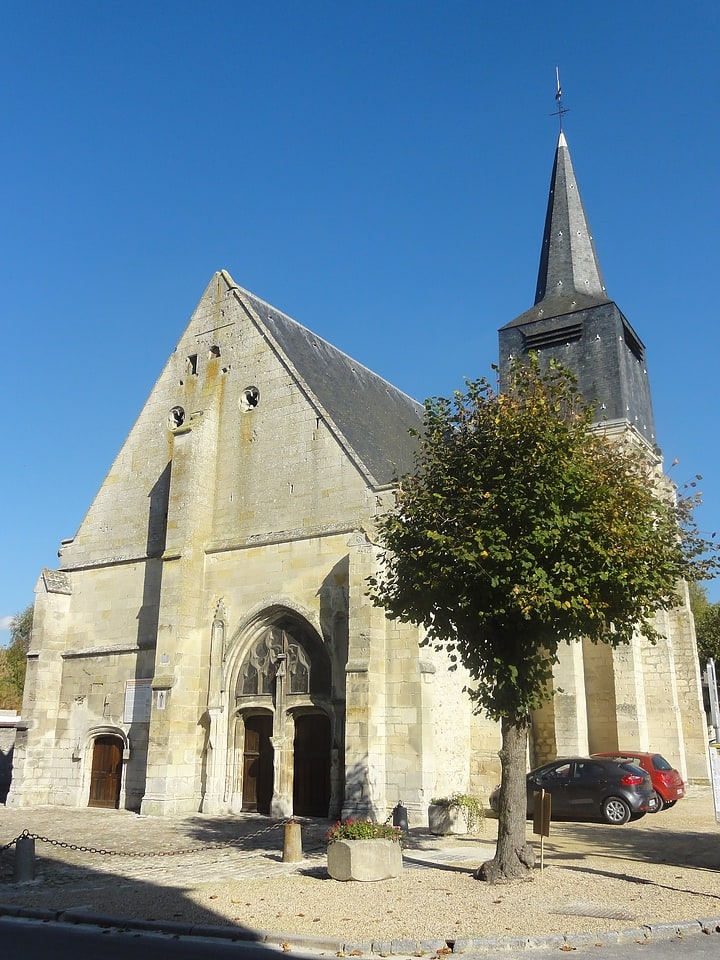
[
  {"x": 559, "y": 772},
  {"x": 660, "y": 763}
]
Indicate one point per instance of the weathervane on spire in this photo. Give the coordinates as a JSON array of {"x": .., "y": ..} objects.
[{"x": 561, "y": 110}]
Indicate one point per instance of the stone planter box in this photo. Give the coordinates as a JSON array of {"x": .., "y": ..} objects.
[
  {"x": 447, "y": 820},
  {"x": 364, "y": 859}
]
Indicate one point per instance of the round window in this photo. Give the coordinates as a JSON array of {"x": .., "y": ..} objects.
[
  {"x": 250, "y": 398},
  {"x": 176, "y": 418}
]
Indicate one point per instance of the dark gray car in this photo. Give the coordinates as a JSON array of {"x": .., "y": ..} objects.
[{"x": 590, "y": 788}]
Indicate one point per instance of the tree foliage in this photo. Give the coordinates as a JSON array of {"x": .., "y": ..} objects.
[
  {"x": 707, "y": 624},
  {"x": 521, "y": 528},
  {"x": 13, "y": 660}
]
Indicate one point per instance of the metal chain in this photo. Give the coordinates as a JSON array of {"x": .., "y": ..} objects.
[{"x": 147, "y": 853}]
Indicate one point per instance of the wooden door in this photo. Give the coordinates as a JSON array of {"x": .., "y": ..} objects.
[
  {"x": 257, "y": 774},
  {"x": 106, "y": 774},
  {"x": 311, "y": 783}
]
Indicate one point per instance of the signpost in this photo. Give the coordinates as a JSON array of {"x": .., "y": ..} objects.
[
  {"x": 713, "y": 695},
  {"x": 542, "y": 803},
  {"x": 714, "y": 747}
]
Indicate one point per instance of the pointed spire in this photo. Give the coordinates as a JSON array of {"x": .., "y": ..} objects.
[{"x": 569, "y": 267}]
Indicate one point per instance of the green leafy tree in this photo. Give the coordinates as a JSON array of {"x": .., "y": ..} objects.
[
  {"x": 13, "y": 660},
  {"x": 522, "y": 528},
  {"x": 707, "y": 624}
]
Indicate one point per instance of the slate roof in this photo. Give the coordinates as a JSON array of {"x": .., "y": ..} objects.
[
  {"x": 569, "y": 276},
  {"x": 370, "y": 416}
]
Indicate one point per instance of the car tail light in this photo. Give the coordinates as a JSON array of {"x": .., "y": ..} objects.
[{"x": 632, "y": 780}]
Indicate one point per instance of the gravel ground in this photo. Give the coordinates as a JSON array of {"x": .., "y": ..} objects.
[
  {"x": 438, "y": 904},
  {"x": 583, "y": 895},
  {"x": 662, "y": 868}
]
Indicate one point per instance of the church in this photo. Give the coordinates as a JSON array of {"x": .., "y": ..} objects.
[{"x": 206, "y": 642}]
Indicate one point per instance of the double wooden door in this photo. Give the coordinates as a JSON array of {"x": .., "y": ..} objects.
[{"x": 311, "y": 765}]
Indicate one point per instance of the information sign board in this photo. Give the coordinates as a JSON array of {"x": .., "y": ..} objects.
[
  {"x": 138, "y": 697},
  {"x": 715, "y": 774}
]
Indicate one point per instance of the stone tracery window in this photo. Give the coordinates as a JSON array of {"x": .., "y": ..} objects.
[
  {"x": 298, "y": 667},
  {"x": 274, "y": 648},
  {"x": 249, "y": 679}
]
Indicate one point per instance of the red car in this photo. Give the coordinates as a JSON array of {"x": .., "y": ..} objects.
[{"x": 666, "y": 781}]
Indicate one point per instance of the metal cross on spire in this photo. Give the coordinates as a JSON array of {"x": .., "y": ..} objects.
[{"x": 561, "y": 110}]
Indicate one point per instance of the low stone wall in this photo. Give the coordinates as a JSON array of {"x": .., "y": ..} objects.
[{"x": 8, "y": 724}]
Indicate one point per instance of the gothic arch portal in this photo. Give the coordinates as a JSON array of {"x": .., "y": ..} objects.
[{"x": 282, "y": 739}]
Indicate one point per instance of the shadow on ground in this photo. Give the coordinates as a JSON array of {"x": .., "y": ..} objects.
[
  {"x": 653, "y": 840},
  {"x": 60, "y": 887},
  {"x": 150, "y": 885}
]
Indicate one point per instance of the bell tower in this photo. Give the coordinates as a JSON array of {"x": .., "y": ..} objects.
[
  {"x": 642, "y": 695},
  {"x": 573, "y": 320}
]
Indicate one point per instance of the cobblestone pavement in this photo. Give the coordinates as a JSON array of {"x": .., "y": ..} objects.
[
  {"x": 170, "y": 851},
  {"x": 166, "y": 850}
]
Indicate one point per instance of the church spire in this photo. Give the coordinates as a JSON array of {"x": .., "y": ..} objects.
[
  {"x": 574, "y": 322},
  {"x": 569, "y": 268}
]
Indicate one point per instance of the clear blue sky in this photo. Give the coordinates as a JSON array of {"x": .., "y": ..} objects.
[{"x": 378, "y": 170}]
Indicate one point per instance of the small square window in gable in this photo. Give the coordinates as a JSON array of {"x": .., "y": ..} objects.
[{"x": 214, "y": 353}]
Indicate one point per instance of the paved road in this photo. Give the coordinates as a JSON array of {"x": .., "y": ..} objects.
[
  {"x": 692, "y": 948},
  {"x": 30, "y": 940}
]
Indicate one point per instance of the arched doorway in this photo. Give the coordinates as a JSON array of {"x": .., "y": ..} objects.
[
  {"x": 283, "y": 696},
  {"x": 106, "y": 772},
  {"x": 257, "y": 767},
  {"x": 311, "y": 779}
]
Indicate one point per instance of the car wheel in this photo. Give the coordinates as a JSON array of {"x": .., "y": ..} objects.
[
  {"x": 615, "y": 811},
  {"x": 666, "y": 804},
  {"x": 661, "y": 804}
]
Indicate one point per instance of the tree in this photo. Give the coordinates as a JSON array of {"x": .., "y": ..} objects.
[
  {"x": 522, "y": 528},
  {"x": 13, "y": 660},
  {"x": 707, "y": 624}
]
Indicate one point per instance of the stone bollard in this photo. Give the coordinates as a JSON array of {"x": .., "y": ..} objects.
[
  {"x": 24, "y": 859},
  {"x": 292, "y": 848}
]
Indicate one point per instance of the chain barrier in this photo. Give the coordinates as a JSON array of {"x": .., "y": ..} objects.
[{"x": 139, "y": 854}]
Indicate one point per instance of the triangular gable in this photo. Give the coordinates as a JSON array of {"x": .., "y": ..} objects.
[{"x": 372, "y": 417}]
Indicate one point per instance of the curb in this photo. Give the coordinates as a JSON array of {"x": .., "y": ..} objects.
[{"x": 655, "y": 932}]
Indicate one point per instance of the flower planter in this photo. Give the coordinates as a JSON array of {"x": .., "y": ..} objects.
[
  {"x": 364, "y": 859},
  {"x": 447, "y": 820}
]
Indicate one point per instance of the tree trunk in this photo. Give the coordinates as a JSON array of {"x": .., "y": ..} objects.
[{"x": 514, "y": 858}]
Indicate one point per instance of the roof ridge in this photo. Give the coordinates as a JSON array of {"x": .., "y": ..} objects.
[
  {"x": 368, "y": 416},
  {"x": 286, "y": 316}
]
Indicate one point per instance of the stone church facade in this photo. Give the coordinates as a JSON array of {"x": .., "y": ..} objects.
[{"x": 206, "y": 642}]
